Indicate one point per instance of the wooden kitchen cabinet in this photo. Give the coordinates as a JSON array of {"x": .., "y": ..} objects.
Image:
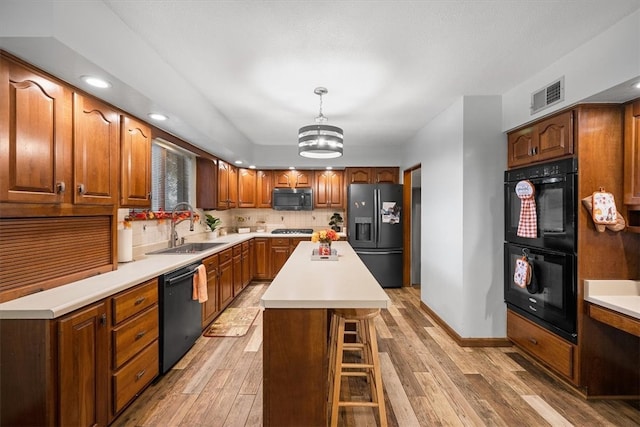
[
  {"x": 225, "y": 282},
  {"x": 264, "y": 188},
  {"x": 245, "y": 265},
  {"x": 227, "y": 185},
  {"x": 252, "y": 257},
  {"x": 96, "y": 140},
  {"x": 632, "y": 164},
  {"x": 83, "y": 367},
  {"x": 292, "y": 178},
  {"x": 329, "y": 189},
  {"x": 206, "y": 183},
  {"x": 134, "y": 340},
  {"x": 211, "y": 308},
  {"x": 237, "y": 269},
  {"x": 372, "y": 175},
  {"x": 246, "y": 188},
  {"x": 35, "y": 136},
  {"x": 261, "y": 259},
  {"x": 280, "y": 249},
  {"x": 135, "y": 172},
  {"x": 547, "y": 139}
]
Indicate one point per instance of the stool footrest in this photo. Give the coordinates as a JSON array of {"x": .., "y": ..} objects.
[
  {"x": 369, "y": 404},
  {"x": 357, "y": 366}
]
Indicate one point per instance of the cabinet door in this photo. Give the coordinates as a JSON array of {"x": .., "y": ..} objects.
[
  {"x": 210, "y": 308},
  {"x": 35, "y": 137},
  {"x": 519, "y": 147},
  {"x": 386, "y": 175},
  {"x": 95, "y": 152},
  {"x": 223, "y": 184},
  {"x": 553, "y": 137},
  {"x": 632, "y": 156},
  {"x": 329, "y": 189},
  {"x": 264, "y": 189},
  {"x": 302, "y": 178},
  {"x": 261, "y": 258},
  {"x": 135, "y": 171},
  {"x": 279, "y": 255},
  {"x": 246, "y": 267},
  {"x": 83, "y": 367},
  {"x": 206, "y": 183},
  {"x": 237, "y": 274},
  {"x": 282, "y": 179},
  {"x": 226, "y": 283},
  {"x": 252, "y": 252},
  {"x": 246, "y": 188},
  {"x": 359, "y": 176}
]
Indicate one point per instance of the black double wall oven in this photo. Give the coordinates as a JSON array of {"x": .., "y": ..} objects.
[{"x": 549, "y": 298}]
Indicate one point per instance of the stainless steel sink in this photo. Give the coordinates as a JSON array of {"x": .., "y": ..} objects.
[{"x": 188, "y": 248}]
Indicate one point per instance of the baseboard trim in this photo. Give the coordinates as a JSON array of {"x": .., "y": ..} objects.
[{"x": 465, "y": 342}]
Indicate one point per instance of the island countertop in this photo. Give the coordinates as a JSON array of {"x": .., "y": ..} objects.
[{"x": 304, "y": 283}]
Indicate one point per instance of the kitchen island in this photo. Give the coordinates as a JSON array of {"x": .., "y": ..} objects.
[{"x": 296, "y": 325}]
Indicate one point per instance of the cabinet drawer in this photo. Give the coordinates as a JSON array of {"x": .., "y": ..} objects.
[
  {"x": 237, "y": 250},
  {"x": 135, "y": 376},
  {"x": 280, "y": 241},
  {"x": 245, "y": 246},
  {"x": 210, "y": 263},
  {"x": 132, "y": 302},
  {"x": 548, "y": 348},
  {"x": 134, "y": 335},
  {"x": 225, "y": 255}
]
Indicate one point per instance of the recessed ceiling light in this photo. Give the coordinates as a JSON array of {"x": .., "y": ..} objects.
[
  {"x": 252, "y": 166},
  {"x": 157, "y": 116},
  {"x": 96, "y": 82},
  {"x": 292, "y": 167},
  {"x": 637, "y": 85},
  {"x": 329, "y": 168},
  {"x": 238, "y": 162}
]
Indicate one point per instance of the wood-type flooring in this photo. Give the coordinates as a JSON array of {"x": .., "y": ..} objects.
[{"x": 428, "y": 381}]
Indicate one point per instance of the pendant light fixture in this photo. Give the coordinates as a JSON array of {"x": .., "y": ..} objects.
[{"x": 320, "y": 140}]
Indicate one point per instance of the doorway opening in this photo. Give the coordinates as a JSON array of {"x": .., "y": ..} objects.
[{"x": 412, "y": 230}]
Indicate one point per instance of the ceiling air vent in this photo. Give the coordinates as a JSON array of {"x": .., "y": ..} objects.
[{"x": 547, "y": 96}]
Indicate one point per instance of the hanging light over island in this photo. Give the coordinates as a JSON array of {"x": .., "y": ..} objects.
[{"x": 320, "y": 140}]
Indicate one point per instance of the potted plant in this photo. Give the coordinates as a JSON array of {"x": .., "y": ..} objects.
[
  {"x": 212, "y": 224},
  {"x": 335, "y": 221}
]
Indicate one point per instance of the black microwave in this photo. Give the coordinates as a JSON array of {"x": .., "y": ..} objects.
[{"x": 292, "y": 199}]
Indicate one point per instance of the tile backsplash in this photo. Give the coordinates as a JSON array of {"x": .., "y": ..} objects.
[{"x": 152, "y": 234}]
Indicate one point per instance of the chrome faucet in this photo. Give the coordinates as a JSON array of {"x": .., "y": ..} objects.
[{"x": 173, "y": 240}]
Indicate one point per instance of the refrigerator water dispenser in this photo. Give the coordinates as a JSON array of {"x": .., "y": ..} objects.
[{"x": 364, "y": 228}]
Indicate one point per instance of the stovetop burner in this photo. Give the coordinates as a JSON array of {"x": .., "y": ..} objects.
[{"x": 292, "y": 231}]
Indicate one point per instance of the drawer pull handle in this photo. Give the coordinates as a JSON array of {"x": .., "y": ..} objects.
[
  {"x": 140, "y": 374},
  {"x": 140, "y": 300},
  {"x": 533, "y": 308},
  {"x": 140, "y": 335},
  {"x": 533, "y": 341}
]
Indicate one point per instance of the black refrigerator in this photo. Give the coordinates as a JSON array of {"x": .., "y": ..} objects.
[{"x": 374, "y": 229}]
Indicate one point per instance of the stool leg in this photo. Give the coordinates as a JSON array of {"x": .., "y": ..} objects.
[
  {"x": 337, "y": 378},
  {"x": 379, "y": 396}
]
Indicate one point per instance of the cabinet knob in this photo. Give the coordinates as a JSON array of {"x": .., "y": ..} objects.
[
  {"x": 81, "y": 189},
  {"x": 103, "y": 319},
  {"x": 533, "y": 341},
  {"x": 140, "y": 374},
  {"x": 139, "y": 301},
  {"x": 140, "y": 335},
  {"x": 60, "y": 187}
]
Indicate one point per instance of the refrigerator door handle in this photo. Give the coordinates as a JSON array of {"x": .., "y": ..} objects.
[
  {"x": 399, "y": 251},
  {"x": 377, "y": 214}
]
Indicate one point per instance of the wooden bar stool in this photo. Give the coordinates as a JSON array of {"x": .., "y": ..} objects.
[{"x": 369, "y": 366}]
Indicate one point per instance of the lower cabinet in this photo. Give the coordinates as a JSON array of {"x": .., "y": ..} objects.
[
  {"x": 279, "y": 253},
  {"x": 550, "y": 349},
  {"x": 246, "y": 265},
  {"x": 211, "y": 308},
  {"x": 82, "y": 367},
  {"x": 225, "y": 278},
  {"x": 237, "y": 269},
  {"x": 261, "y": 262},
  {"x": 134, "y": 342}
]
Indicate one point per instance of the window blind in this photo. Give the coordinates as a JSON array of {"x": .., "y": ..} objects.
[{"x": 169, "y": 176}]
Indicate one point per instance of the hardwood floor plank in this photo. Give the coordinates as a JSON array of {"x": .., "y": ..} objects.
[
  {"x": 397, "y": 396},
  {"x": 255, "y": 415},
  {"x": 240, "y": 410},
  {"x": 546, "y": 411},
  {"x": 437, "y": 406}
]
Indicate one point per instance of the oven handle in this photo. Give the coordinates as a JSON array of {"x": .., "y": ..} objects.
[{"x": 548, "y": 180}]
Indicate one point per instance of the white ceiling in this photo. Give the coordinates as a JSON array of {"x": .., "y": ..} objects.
[{"x": 252, "y": 66}]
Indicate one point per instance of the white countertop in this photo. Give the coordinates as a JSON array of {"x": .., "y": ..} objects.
[
  {"x": 303, "y": 283},
  {"x": 64, "y": 299},
  {"x": 622, "y": 296}
]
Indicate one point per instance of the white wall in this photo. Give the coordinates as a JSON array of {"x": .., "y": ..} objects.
[
  {"x": 462, "y": 154},
  {"x": 611, "y": 58}
]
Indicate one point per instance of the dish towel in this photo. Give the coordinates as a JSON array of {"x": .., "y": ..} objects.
[
  {"x": 528, "y": 223},
  {"x": 200, "y": 285}
]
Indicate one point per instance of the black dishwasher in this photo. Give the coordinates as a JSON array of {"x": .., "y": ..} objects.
[{"x": 180, "y": 318}]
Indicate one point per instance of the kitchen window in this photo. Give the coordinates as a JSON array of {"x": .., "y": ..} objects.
[{"x": 171, "y": 175}]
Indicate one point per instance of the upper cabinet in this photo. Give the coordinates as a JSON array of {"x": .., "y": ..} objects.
[
  {"x": 227, "y": 185},
  {"x": 206, "y": 183},
  {"x": 372, "y": 175},
  {"x": 264, "y": 188},
  {"x": 632, "y": 164},
  {"x": 135, "y": 181},
  {"x": 292, "y": 178},
  {"x": 329, "y": 189},
  {"x": 246, "y": 188},
  {"x": 35, "y": 136},
  {"x": 547, "y": 139},
  {"x": 95, "y": 152}
]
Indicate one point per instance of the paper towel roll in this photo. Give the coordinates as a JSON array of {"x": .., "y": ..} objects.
[{"x": 125, "y": 245}]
